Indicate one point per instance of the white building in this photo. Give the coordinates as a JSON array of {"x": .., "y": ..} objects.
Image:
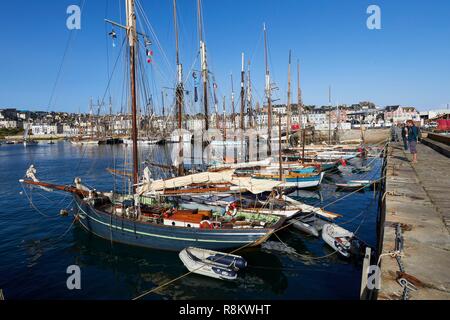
[
  {"x": 8, "y": 124},
  {"x": 399, "y": 114},
  {"x": 46, "y": 129}
]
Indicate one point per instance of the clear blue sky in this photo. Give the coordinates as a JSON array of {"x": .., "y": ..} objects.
[{"x": 406, "y": 62}]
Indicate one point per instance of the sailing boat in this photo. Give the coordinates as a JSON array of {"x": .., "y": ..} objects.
[
  {"x": 141, "y": 220},
  {"x": 26, "y": 136}
]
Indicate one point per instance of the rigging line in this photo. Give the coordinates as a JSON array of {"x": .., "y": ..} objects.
[
  {"x": 58, "y": 203},
  {"x": 365, "y": 210},
  {"x": 66, "y": 50},
  {"x": 158, "y": 43},
  {"x": 258, "y": 43},
  {"x": 107, "y": 44},
  {"x": 114, "y": 68},
  {"x": 34, "y": 207},
  {"x": 304, "y": 256}
]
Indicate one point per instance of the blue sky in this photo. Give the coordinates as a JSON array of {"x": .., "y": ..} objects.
[{"x": 406, "y": 62}]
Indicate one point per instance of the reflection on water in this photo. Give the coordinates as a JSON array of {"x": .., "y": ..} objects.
[{"x": 35, "y": 251}]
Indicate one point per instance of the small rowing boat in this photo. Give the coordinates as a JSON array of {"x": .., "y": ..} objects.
[
  {"x": 212, "y": 264},
  {"x": 356, "y": 184},
  {"x": 338, "y": 238}
]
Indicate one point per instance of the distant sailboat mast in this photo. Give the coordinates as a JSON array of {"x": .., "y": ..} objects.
[
  {"x": 288, "y": 122},
  {"x": 249, "y": 98},
  {"x": 242, "y": 122},
  {"x": 233, "y": 111},
  {"x": 268, "y": 96}
]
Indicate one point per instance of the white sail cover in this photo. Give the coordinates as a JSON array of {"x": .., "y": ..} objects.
[
  {"x": 254, "y": 186},
  {"x": 243, "y": 165}
]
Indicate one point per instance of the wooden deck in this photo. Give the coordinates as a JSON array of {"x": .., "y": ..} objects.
[{"x": 417, "y": 197}]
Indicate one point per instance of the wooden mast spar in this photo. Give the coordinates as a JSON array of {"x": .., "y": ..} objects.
[
  {"x": 242, "y": 124},
  {"x": 131, "y": 30},
  {"x": 179, "y": 92},
  {"x": 288, "y": 122},
  {"x": 204, "y": 64},
  {"x": 268, "y": 96},
  {"x": 300, "y": 111}
]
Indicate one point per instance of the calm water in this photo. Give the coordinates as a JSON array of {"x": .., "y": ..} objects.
[{"x": 36, "y": 247}]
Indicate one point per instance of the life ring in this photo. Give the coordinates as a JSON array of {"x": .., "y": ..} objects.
[
  {"x": 206, "y": 224},
  {"x": 231, "y": 209}
]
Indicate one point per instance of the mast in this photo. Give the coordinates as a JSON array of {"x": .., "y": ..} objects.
[
  {"x": 280, "y": 157},
  {"x": 329, "y": 115},
  {"x": 224, "y": 119},
  {"x": 216, "y": 104},
  {"x": 204, "y": 64},
  {"x": 232, "y": 103},
  {"x": 131, "y": 30},
  {"x": 249, "y": 97},
  {"x": 179, "y": 92},
  {"x": 242, "y": 125},
  {"x": 162, "y": 103},
  {"x": 268, "y": 96},
  {"x": 91, "y": 116},
  {"x": 288, "y": 122},
  {"x": 299, "y": 95}
]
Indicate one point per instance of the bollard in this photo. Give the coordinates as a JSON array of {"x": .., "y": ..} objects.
[{"x": 365, "y": 269}]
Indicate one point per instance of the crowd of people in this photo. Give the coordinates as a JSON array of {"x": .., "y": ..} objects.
[{"x": 408, "y": 133}]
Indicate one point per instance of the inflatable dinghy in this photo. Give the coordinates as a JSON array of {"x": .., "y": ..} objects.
[
  {"x": 338, "y": 238},
  {"x": 212, "y": 264},
  {"x": 356, "y": 184},
  {"x": 310, "y": 224}
]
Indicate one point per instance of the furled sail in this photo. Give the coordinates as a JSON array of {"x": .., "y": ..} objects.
[{"x": 254, "y": 186}]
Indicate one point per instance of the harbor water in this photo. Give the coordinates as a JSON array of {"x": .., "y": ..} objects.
[{"x": 37, "y": 245}]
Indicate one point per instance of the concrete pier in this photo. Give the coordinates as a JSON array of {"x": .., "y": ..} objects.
[{"x": 417, "y": 198}]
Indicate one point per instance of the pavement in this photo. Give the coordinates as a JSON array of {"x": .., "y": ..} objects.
[{"x": 417, "y": 197}]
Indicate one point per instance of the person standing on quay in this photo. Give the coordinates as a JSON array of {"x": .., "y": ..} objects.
[
  {"x": 404, "y": 132},
  {"x": 413, "y": 137}
]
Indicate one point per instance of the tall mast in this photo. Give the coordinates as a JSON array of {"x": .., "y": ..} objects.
[
  {"x": 179, "y": 92},
  {"x": 232, "y": 103},
  {"x": 224, "y": 119},
  {"x": 288, "y": 122},
  {"x": 216, "y": 104},
  {"x": 299, "y": 95},
  {"x": 203, "y": 63},
  {"x": 249, "y": 97},
  {"x": 329, "y": 115},
  {"x": 131, "y": 30},
  {"x": 268, "y": 96},
  {"x": 242, "y": 124},
  {"x": 300, "y": 111}
]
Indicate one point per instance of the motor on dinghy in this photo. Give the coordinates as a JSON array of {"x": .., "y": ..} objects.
[{"x": 212, "y": 264}]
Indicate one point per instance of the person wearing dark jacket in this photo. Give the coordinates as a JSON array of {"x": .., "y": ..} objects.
[
  {"x": 413, "y": 137},
  {"x": 405, "y": 136}
]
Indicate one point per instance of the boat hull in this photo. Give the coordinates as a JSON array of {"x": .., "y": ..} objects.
[{"x": 158, "y": 236}]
